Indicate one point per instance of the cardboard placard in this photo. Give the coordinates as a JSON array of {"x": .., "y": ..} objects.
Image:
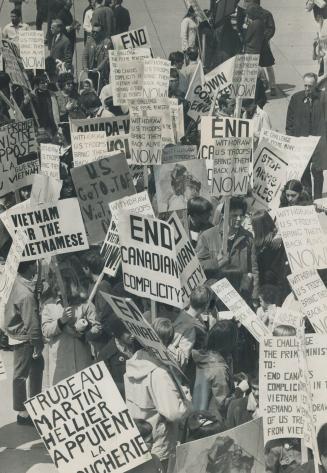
[
  {"x": 31, "y": 48},
  {"x": 14, "y": 64},
  {"x": 88, "y": 147},
  {"x": 245, "y": 76},
  {"x": 138, "y": 38},
  {"x": 50, "y": 160},
  {"x": 137, "y": 203},
  {"x": 156, "y": 78}
]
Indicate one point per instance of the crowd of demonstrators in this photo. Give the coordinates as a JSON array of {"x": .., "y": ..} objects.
[{"x": 216, "y": 385}]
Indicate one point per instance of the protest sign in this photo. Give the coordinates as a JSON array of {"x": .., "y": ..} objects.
[
  {"x": 303, "y": 238},
  {"x": 52, "y": 229},
  {"x": 110, "y": 250},
  {"x": 176, "y": 183},
  {"x": 115, "y": 128},
  {"x": 137, "y": 203},
  {"x": 232, "y": 451},
  {"x": 97, "y": 184},
  {"x": 45, "y": 189},
  {"x": 228, "y": 142},
  {"x": 19, "y": 160},
  {"x": 156, "y": 78},
  {"x": 138, "y": 38},
  {"x": 150, "y": 267},
  {"x": 280, "y": 391},
  {"x": 146, "y": 140},
  {"x": 84, "y": 422},
  {"x": 298, "y": 150},
  {"x": 88, "y": 147},
  {"x": 127, "y": 74},
  {"x": 198, "y": 100},
  {"x": 269, "y": 174},
  {"x": 245, "y": 76},
  {"x": 50, "y": 160},
  {"x": 190, "y": 270},
  {"x": 312, "y": 294},
  {"x": 14, "y": 64},
  {"x": 31, "y": 48},
  {"x": 242, "y": 312},
  {"x": 175, "y": 153},
  {"x": 292, "y": 318},
  {"x": 129, "y": 313}
]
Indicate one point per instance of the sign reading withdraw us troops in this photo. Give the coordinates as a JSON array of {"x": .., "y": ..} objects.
[
  {"x": 31, "y": 48},
  {"x": 85, "y": 424},
  {"x": 245, "y": 76},
  {"x": 52, "y": 229},
  {"x": 228, "y": 142},
  {"x": 138, "y": 38},
  {"x": 116, "y": 129}
]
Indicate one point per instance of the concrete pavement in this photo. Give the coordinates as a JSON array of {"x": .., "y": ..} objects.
[{"x": 20, "y": 449}]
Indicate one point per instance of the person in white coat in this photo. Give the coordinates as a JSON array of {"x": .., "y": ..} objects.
[{"x": 189, "y": 30}]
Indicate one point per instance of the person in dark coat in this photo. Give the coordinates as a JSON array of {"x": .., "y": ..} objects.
[
  {"x": 255, "y": 32},
  {"x": 41, "y": 13},
  {"x": 123, "y": 20},
  {"x": 306, "y": 115},
  {"x": 61, "y": 48}
]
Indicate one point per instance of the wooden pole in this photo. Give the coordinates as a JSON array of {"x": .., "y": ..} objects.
[{"x": 60, "y": 281}]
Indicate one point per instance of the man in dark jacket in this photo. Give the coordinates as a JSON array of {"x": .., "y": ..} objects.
[
  {"x": 123, "y": 20},
  {"x": 23, "y": 326},
  {"x": 306, "y": 115},
  {"x": 61, "y": 48}
]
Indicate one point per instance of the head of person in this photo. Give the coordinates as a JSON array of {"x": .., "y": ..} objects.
[
  {"x": 250, "y": 106},
  {"x": 173, "y": 82},
  {"x": 41, "y": 83},
  {"x": 177, "y": 59},
  {"x": 263, "y": 227},
  {"x": 97, "y": 32},
  {"x": 200, "y": 299},
  {"x": 253, "y": 13},
  {"x": 27, "y": 269},
  {"x": 284, "y": 331},
  {"x": 190, "y": 13},
  {"x": 254, "y": 385},
  {"x": 192, "y": 54},
  {"x": 184, "y": 183},
  {"x": 92, "y": 263},
  {"x": 226, "y": 105},
  {"x": 237, "y": 211},
  {"x": 91, "y": 103},
  {"x": 199, "y": 209},
  {"x": 267, "y": 295},
  {"x": 310, "y": 80},
  {"x": 168, "y": 311},
  {"x": 87, "y": 85},
  {"x": 201, "y": 424},
  {"x": 164, "y": 329},
  {"x": 322, "y": 445},
  {"x": 66, "y": 82},
  {"x": 67, "y": 4},
  {"x": 57, "y": 26},
  {"x": 222, "y": 337},
  {"x": 291, "y": 193},
  {"x": 15, "y": 16},
  {"x": 119, "y": 331}
]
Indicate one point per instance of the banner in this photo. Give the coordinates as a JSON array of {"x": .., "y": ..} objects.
[
  {"x": 176, "y": 183},
  {"x": 127, "y": 311},
  {"x": 228, "y": 142},
  {"x": 198, "y": 100},
  {"x": 303, "y": 238},
  {"x": 84, "y": 422},
  {"x": 150, "y": 267},
  {"x": 176, "y": 153},
  {"x": 138, "y": 38},
  {"x": 269, "y": 174},
  {"x": 97, "y": 184},
  {"x": 241, "y": 311},
  {"x": 127, "y": 74},
  {"x": 280, "y": 391},
  {"x": 31, "y": 48},
  {"x": 298, "y": 150},
  {"x": 312, "y": 294},
  {"x": 19, "y": 160},
  {"x": 137, "y": 204},
  {"x": 88, "y": 147},
  {"x": 245, "y": 76},
  {"x": 115, "y": 128},
  {"x": 50, "y": 160},
  {"x": 156, "y": 78},
  {"x": 52, "y": 229},
  {"x": 190, "y": 270},
  {"x": 14, "y": 64}
]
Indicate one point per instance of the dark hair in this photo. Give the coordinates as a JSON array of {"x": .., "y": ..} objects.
[
  {"x": 236, "y": 203},
  {"x": 200, "y": 297},
  {"x": 145, "y": 429},
  {"x": 268, "y": 292},
  {"x": 16, "y": 12},
  {"x": 118, "y": 328},
  {"x": 93, "y": 260},
  {"x": 222, "y": 337},
  {"x": 192, "y": 53},
  {"x": 41, "y": 78},
  {"x": 322, "y": 440},
  {"x": 190, "y": 12},
  {"x": 264, "y": 228},
  {"x": 164, "y": 329},
  {"x": 24, "y": 266},
  {"x": 90, "y": 100},
  {"x": 296, "y": 186},
  {"x": 254, "y": 12},
  {"x": 4, "y": 80},
  {"x": 63, "y": 78},
  {"x": 198, "y": 206},
  {"x": 175, "y": 57}
]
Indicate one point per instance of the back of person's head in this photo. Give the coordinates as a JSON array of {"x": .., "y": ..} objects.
[
  {"x": 198, "y": 206},
  {"x": 254, "y": 12},
  {"x": 263, "y": 226},
  {"x": 268, "y": 293},
  {"x": 92, "y": 260},
  {"x": 200, "y": 298},
  {"x": 284, "y": 331},
  {"x": 237, "y": 203},
  {"x": 311, "y": 75},
  {"x": 222, "y": 336},
  {"x": 253, "y": 378},
  {"x": 99, "y": 2},
  {"x": 16, "y": 12},
  {"x": 25, "y": 266},
  {"x": 90, "y": 100},
  {"x": 164, "y": 329},
  {"x": 201, "y": 424},
  {"x": 117, "y": 327},
  {"x": 192, "y": 53}
]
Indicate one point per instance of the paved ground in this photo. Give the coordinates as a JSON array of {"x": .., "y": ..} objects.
[{"x": 20, "y": 449}]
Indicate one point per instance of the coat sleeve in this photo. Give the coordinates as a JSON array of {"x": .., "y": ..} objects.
[
  {"x": 202, "y": 251},
  {"x": 50, "y": 327},
  {"x": 220, "y": 389},
  {"x": 68, "y": 53},
  {"x": 270, "y": 27},
  {"x": 166, "y": 396},
  {"x": 290, "y": 118},
  {"x": 30, "y": 316},
  {"x": 185, "y": 341}
]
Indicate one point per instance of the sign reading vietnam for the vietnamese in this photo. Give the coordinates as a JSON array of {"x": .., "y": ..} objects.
[
  {"x": 228, "y": 141},
  {"x": 52, "y": 229},
  {"x": 85, "y": 424},
  {"x": 138, "y": 38},
  {"x": 148, "y": 253}
]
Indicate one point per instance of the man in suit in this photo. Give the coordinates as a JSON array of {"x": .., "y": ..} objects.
[
  {"x": 306, "y": 115},
  {"x": 61, "y": 48}
]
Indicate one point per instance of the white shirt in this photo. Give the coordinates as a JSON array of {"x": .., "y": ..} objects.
[{"x": 87, "y": 24}]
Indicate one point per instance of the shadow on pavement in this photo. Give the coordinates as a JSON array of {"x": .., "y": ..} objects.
[{"x": 13, "y": 435}]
